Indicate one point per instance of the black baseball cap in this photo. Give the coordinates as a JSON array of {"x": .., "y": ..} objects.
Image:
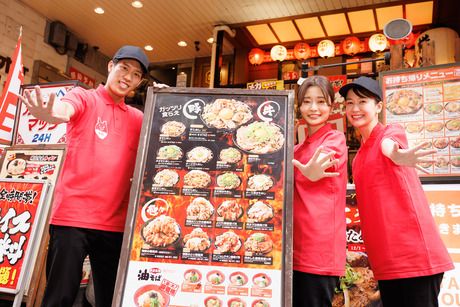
[
  {"x": 363, "y": 82},
  {"x": 135, "y": 53}
]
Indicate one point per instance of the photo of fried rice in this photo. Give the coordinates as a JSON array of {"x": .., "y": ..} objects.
[
  {"x": 434, "y": 126},
  {"x": 260, "y": 138},
  {"x": 260, "y": 303},
  {"x": 161, "y": 231},
  {"x": 166, "y": 178},
  {"x": 169, "y": 152},
  {"x": 440, "y": 143},
  {"x": 226, "y": 114},
  {"x": 215, "y": 277},
  {"x": 258, "y": 243},
  {"x": 260, "y": 212},
  {"x": 452, "y": 107},
  {"x": 433, "y": 108},
  {"x": 172, "y": 129},
  {"x": 414, "y": 127},
  {"x": 213, "y": 301},
  {"x": 260, "y": 183},
  {"x": 199, "y": 154},
  {"x": 16, "y": 167},
  {"x": 238, "y": 279},
  {"x": 455, "y": 142},
  {"x": 200, "y": 209},
  {"x": 230, "y": 155},
  {"x": 228, "y": 242},
  {"x": 152, "y": 298},
  {"x": 404, "y": 102},
  {"x": 197, "y": 240},
  {"x": 453, "y": 124},
  {"x": 197, "y": 179},
  {"x": 228, "y": 180},
  {"x": 236, "y": 302},
  {"x": 230, "y": 210},
  {"x": 192, "y": 276}
]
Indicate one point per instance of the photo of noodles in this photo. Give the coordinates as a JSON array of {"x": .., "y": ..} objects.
[
  {"x": 452, "y": 107},
  {"x": 169, "y": 152},
  {"x": 236, "y": 302},
  {"x": 230, "y": 155},
  {"x": 197, "y": 240},
  {"x": 404, "y": 102},
  {"x": 161, "y": 231},
  {"x": 258, "y": 243},
  {"x": 192, "y": 276},
  {"x": 200, "y": 209},
  {"x": 260, "y": 183},
  {"x": 212, "y": 301},
  {"x": 166, "y": 178},
  {"x": 16, "y": 167},
  {"x": 414, "y": 127},
  {"x": 197, "y": 179},
  {"x": 260, "y": 212},
  {"x": 453, "y": 124},
  {"x": 238, "y": 279},
  {"x": 230, "y": 210},
  {"x": 455, "y": 142},
  {"x": 440, "y": 143},
  {"x": 228, "y": 242},
  {"x": 199, "y": 154},
  {"x": 228, "y": 180},
  {"x": 260, "y": 303},
  {"x": 151, "y": 298},
  {"x": 260, "y": 138},
  {"x": 433, "y": 108},
  {"x": 215, "y": 277},
  {"x": 172, "y": 129},
  {"x": 226, "y": 114},
  {"x": 261, "y": 280}
]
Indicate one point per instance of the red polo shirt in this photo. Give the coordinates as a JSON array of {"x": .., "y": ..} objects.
[
  {"x": 102, "y": 139},
  {"x": 319, "y": 208},
  {"x": 399, "y": 232}
]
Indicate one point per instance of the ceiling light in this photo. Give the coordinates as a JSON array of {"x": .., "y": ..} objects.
[
  {"x": 99, "y": 10},
  {"x": 182, "y": 44},
  {"x": 174, "y": 67},
  {"x": 137, "y": 4},
  {"x": 210, "y": 40},
  {"x": 148, "y": 48}
]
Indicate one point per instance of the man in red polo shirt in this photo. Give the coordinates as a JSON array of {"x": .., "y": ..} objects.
[{"x": 91, "y": 199}]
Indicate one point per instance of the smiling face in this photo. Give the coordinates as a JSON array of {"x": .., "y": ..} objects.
[
  {"x": 124, "y": 76},
  {"x": 362, "y": 112},
  {"x": 315, "y": 108}
]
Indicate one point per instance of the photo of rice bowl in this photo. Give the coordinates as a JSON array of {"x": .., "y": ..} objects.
[
  {"x": 260, "y": 212},
  {"x": 228, "y": 180},
  {"x": 199, "y": 154},
  {"x": 197, "y": 240},
  {"x": 169, "y": 152},
  {"x": 166, "y": 178},
  {"x": 161, "y": 231},
  {"x": 200, "y": 209},
  {"x": 230, "y": 155},
  {"x": 260, "y": 182},
  {"x": 238, "y": 279},
  {"x": 230, "y": 210},
  {"x": 197, "y": 179},
  {"x": 172, "y": 129},
  {"x": 258, "y": 243},
  {"x": 260, "y": 138},
  {"x": 226, "y": 114},
  {"x": 228, "y": 242}
]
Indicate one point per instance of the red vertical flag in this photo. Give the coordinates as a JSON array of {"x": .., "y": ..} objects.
[{"x": 9, "y": 99}]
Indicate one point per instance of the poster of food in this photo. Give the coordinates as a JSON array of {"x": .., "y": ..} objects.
[
  {"x": 21, "y": 212},
  {"x": 211, "y": 218},
  {"x": 426, "y": 102},
  {"x": 31, "y": 131}
]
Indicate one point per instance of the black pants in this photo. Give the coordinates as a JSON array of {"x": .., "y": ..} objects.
[
  {"x": 411, "y": 292},
  {"x": 310, "y": 290},
  {"x": 67, "y": 250}
]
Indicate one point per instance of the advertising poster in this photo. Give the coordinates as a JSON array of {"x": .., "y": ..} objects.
[
  {"x": 30, "y": 130},
  {"x": 426, "y": 102},
  {"x": 21, "y": 205},
  {"x": 210, "y": 224}
]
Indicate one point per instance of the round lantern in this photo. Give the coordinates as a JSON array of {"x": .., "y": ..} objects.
[
  {"x": 256, "y": 56},
  {"x": 278, "y": 53},
  {"x": 326, "y": 48},
  {"x": 302, "y": 51},
  {"x": 351, "y": 45},
  {"x": 378, "y": 42}
]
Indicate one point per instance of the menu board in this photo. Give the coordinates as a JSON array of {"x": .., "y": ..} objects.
[
  {"x": 426, "y": 102},
  {"x": 210, "y": 221}
]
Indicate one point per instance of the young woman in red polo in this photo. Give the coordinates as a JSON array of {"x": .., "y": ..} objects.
[
  {"x": 320, "y": 179},
  {"x": 404, "y": 247}
]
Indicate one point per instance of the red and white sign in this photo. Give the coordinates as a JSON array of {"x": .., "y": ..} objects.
[{"x": 78, "y": 75}]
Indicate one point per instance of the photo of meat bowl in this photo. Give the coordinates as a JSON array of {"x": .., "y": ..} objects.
[
  {"x": 455, "y": 142},
  {"x": 166, "y": 178},
  {"x": 199, "y": 154},
  {"x": 200, "y": 209},
  {"x": 230, "y": 155},
  {"x": 261, "y": 280},
  {"x": 455, "y": 161},
  {"x": 258, "y": 243},
  {"x": 238, "y": 279},
  {"x": 197, "y": 179},
  {"x": 453, "y": 124},
  {"x": 260, "y": 183},
  {"x": 230, "y": 210},
  {"x": 434, "y": 126},
  {"x": 228, "y": 180},
  {"x": 440, "y": 143},
  {"x": 404, "y": 102},
  {"x": 192, "y": 276},
  {"x": 260, "y": 138},
  {"x": 228, "y": 242},
  {"x": 441, "y": 162},
  {"x": 226, "y": 114},
  {"x": 260, "y": 303},
  {"x": 162, "y": 231},
  {"x": 414, "y": 127},
  {"x": 260, "y": 212},
  {"x": 452, "y": 107},
  {"x": 152, "y": 298},
  {"x": 358, "y": 287},
  {"x": 197, "y": 240},
  {"x": 172, "y": 129},
  {"x": 16, "y": 167},
  {"x": 212, "y": 301},
  {"x": 236, "y": 302},
  {"x": 169, "y": 152},
  {"x": 433, "y": 108},
  {"x": 215, "y": 277}
]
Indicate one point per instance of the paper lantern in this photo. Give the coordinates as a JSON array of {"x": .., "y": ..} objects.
[
  {"x": 351, "y": 45},
  {"x": 256, "y": 56},
  {"x": 302, "y": 51},
  {"x": 326, "y": 48},
  {"x": 378, "y": 42},
  {"x": 278, "y": 53}
]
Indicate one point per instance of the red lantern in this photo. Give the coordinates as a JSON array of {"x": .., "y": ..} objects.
[
  {"x": 302, "y": 51},
  {"x": 351, "y": 45},
  {"x": 409, "y": 41},
  {"x": 256, "y": 56}
]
